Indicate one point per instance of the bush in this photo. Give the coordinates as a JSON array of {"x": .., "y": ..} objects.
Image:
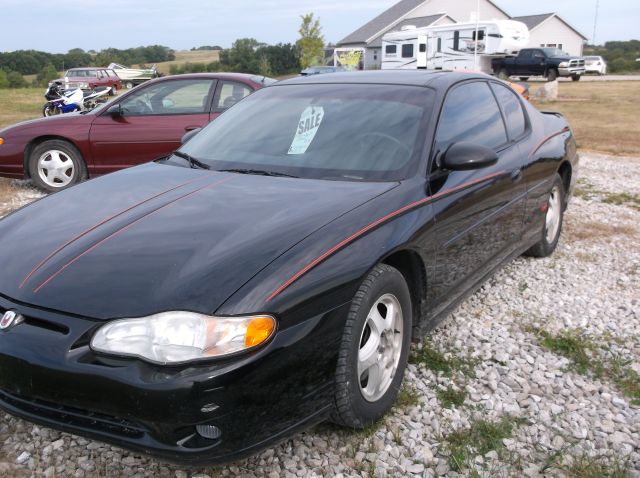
[
  {"x": 47, "y": 74},
  {"x": 4, "y": 81},
  {"x": 16, "y": 80}
]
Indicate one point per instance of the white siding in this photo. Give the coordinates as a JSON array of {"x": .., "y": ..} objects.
[
  {"x": 461, "y": 11},
  {"x": 554, "y": 31}
]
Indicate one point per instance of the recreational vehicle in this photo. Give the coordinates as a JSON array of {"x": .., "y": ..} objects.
[{"x": 460, "y": 46}]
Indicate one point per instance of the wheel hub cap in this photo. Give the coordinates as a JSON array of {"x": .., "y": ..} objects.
[
  {"x": 56, "y": 168},
  {"x": 553, "y": 215},
  {"x": 380, "y": 347}
]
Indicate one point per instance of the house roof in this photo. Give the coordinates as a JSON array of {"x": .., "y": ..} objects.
[
  {"x": 534, "y": 21},
  {"x": 382, "y": 21},
  {"x": 418, "y": 22}
]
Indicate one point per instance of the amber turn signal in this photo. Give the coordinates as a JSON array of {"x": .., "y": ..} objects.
[
  {"x": 1, "y": 140},
  {"x": 259, "y": 330}
]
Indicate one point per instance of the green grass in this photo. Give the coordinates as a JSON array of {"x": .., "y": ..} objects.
[
  {"x": 586, "y": 357},
  {"x": 450, "y": 397},
  {"x": 480, "y": 438},
  {"x": 437, "y": 361},
  {"x": 584, "y": 466},
  {"x": 587, "y": 191},
  {"x": 620, "y": 199},
  {"x": 19, "y": 105},
  {"x": 407, "y": 397}
]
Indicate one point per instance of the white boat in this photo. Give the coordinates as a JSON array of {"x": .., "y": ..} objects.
[{"x": 133, "y": 76}]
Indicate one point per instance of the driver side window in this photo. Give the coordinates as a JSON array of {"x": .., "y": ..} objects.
[{"x": 170, "y": 98}]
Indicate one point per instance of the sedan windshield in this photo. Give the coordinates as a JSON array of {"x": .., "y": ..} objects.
[{"x": 344, "y": 132}]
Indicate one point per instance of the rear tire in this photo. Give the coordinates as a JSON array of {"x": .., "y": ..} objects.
[
  {"x": 55, "y": 165},
  {"x": 128, "y": 85},
  {"x": 524, "y": 78},
  {"x": 552, "y": 74},
  {"x": 503, "y": 74},
  {"x": 552, "y": 227},
  {"x": 374, "y": 349},
  {"x": 114, "y": 91}
]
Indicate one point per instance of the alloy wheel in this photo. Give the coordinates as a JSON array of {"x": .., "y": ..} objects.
[
  {"x": 553, "y": 215},
  {"x": 380, "y": 347},
  {"x": 56, "y": 168}
]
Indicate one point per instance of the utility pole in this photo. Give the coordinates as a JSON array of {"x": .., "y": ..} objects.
[{"x": 595, "y": 23}]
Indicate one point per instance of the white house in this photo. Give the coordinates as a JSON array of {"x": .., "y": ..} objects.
[
  {"x": 546, "y": 29},
  {"x": 549, "y": 30}
]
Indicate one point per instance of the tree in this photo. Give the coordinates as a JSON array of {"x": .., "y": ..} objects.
[
  {"x": 4, "y": 81},
  {"x": 47, "y": 74},
  {"x": 311, "y": 41},
  {"x": 16, "y": 80},
  {"x": 242, "y": 56}
]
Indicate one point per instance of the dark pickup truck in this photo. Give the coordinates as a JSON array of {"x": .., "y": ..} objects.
[{"x": 548, "y": 62}]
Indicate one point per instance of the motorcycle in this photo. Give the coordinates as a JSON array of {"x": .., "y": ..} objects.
[{"x": 61, "y": 101}]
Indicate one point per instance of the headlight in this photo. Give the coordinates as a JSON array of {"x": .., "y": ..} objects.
[
  {"x": 175, "y": 337},
  {"x": 564, "y": 64}
]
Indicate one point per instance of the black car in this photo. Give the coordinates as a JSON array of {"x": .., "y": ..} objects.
[
  {"x": 548, "y": 62},
  {"x": 271, "y": 273}
]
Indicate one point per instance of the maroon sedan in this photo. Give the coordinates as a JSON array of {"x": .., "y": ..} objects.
[{"x": 144, "y": 124}]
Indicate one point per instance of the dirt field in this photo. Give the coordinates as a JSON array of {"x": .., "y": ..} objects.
[{"x": 203, "y": 56}]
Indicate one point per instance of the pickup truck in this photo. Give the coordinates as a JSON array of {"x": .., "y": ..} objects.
[{"x": 548, "y": 62}]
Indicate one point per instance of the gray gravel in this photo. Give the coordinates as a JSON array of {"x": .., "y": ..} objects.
[{"x": 559, "y": 418}]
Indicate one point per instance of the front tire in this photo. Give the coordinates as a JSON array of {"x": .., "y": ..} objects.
[
  {"x": 55, "y": 165},
  {"x": 503, "y": 74},
  {"x": 552, "y": 226},
  {"x": 374, "y": 349},
  {"x": 575, "y": 77},
  {"x": 524, "y": 78},
  {"x": 114, "y": 91}
]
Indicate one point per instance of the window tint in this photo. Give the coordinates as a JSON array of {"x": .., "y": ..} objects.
[
  {"x": 423, "y": 47},
  {"x": 512, "y": 110},
  {"x": 456, "y": 40},
  {"x": 231, "y": 93},
  {"x": 471, "y": 114},
  {"x": 439, "y": 44},
  {"x": 407, "y": 50},
  {"x": 169, "y": 98},
  {"x": 391, "y": 50}
]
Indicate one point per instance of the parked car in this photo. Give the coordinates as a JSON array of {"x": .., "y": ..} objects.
[
  {"x": 320, "y": 70},
  {"x": 272, "y": 272},
  {"x": 142, "y": 125},
  {"x": 595, "y": 64},
  {"x": 548, "y": 62},
  {"x": 89, "y": 79}
]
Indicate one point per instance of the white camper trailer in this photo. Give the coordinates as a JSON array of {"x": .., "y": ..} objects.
[{"x": 460, "y": 46}]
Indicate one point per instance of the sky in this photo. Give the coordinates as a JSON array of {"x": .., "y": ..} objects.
[{"x": 93, "y": 25}]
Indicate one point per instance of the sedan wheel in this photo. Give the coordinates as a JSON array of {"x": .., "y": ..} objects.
[
  {"x": 56, "y": 165},
  {"x": 380, "y": 347},
  {"x": 374, "y": 348},
  {"x": 553, "y": 222},
  {"x": 55, "y": 169}
]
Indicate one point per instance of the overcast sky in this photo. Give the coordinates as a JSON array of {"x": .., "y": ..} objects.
[{"x": 89, "y": 24}]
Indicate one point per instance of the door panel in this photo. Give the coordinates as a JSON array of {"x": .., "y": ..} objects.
[
  {"x": 155, "y": 119},
  {"x": 479, "y": 216}
]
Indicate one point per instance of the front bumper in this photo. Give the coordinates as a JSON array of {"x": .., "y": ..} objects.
[
  {"x": 571, "y": 71},
  {"x": 49, "y": 375}
]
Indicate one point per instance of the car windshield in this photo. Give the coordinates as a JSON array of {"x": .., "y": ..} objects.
[
  {"x": 81, "y": 74},
  {"x": 551, "y": 52},
  {"x": 344, "y": 132}
]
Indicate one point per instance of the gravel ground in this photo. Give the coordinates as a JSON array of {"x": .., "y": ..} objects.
[{"x": 534, "y": 375}]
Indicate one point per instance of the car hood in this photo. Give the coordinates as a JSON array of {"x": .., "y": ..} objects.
[
  {"x": 158, "y": 237},
  {"x": 51, "y": 122}
]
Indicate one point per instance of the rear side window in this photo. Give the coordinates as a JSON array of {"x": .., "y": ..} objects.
[
  {"x": 390, "y": 50},
  {"x": 407, "y": 50},
  {"x": 512, "y": 110},
  {"x": 470, "y": 114},
  {"x": 230, "y": 93}
]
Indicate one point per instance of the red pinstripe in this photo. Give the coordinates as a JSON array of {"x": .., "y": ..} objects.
[
  {"x": 541, "y": 143},
  {"x": 374, "y": 224},
  {"x": 94, "y": 227},
  {"x": 115, "y": 233}
]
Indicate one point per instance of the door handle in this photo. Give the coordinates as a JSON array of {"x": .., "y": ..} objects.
[
  {"x": 191, "y": 128},
  {"x": 516, "y": 174}
]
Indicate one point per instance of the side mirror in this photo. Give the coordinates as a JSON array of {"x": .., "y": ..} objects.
[
  {"x": 467, "y": 156},
  {"x": 115, "y": 110},
  {"x": 190, "y": 134}
]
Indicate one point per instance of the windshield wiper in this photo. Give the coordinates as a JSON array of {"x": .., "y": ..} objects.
[
  {"x": 195, "y": 163},
  {"x": 257, "y": 172}
]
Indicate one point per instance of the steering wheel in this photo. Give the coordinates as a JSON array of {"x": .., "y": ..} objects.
[
  {"x": 142, "y": 108},
  {"x": 386, "y": 137}
]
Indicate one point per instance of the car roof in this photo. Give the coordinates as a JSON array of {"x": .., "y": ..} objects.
[
  {"x": 218, "y": 76},
  {"x": 389, "y": 77}
]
